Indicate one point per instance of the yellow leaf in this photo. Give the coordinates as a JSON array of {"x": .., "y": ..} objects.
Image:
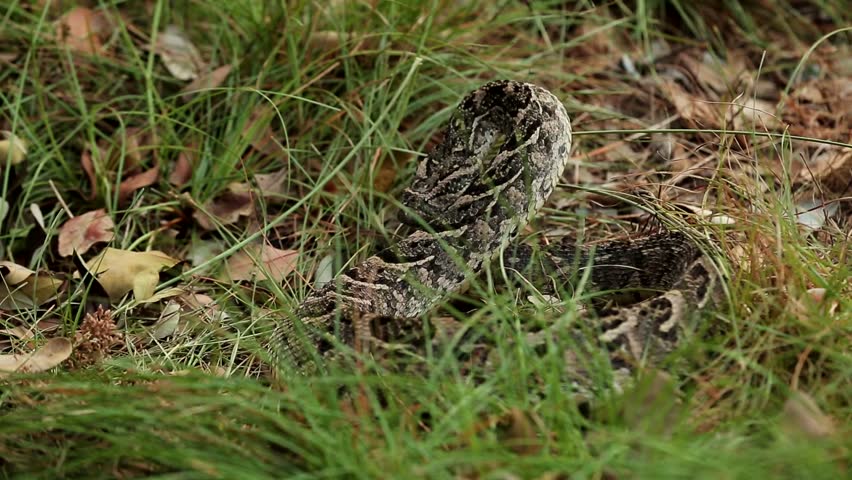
[
  {"x": 22, "y": 288},
  {"x": 120, "y": 271},
  {"x": 12, "y": 148}
]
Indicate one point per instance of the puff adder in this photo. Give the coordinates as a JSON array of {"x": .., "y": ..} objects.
[{"x": 502, "y": 154}]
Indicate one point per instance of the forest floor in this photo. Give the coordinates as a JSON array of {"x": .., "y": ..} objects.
[{"x": 177, "y": 175}]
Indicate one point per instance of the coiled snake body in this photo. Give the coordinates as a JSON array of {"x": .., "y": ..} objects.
[{"x": 502, "y": 154}]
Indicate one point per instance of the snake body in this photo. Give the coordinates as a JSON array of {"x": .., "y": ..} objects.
[{"x": 502, "y": 155}]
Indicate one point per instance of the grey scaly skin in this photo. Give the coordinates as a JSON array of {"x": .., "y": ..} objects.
[{"x": 502, "y": 155}]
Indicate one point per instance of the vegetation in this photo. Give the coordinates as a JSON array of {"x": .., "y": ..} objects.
[{"x": 219, "y": 159}]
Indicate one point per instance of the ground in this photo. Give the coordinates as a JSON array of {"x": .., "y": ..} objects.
[{"x": 178, "y": 175}]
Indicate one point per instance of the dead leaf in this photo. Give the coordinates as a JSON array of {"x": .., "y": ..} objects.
[
  {"x": 81, "y": 30},
  {"x": 753, "y": 113},
  {"x": 227, "y": 208},
  {"x": 690, "y": 108},
  {"x": 272, "y": 185},
  {"x": 137, "y": 181},
  {"x": 324, "y": 272},
  {"x": 51, "y": 354},
  {"x": 385, "y": 176},
  {"x": 35, "y": 210},
  {"x": 83, "y": 231},
  {"x": 183, "y": 168},
  {"x": 89, "y": 168},
  {"x": 120, "y": 271},
  {"x": 520, "y": 435},
  {"x": 129, "y": 151},
  {"x": 803, "y": 416},
  {"x": 13, "y": 149},
  {"x": 209, "y": 80},
  {"x": 167, "y": 324},
  {"x": 258, "y": 132},
  {"x": 22, "y": 288},
  {"x": 262, "y": 262},
  {"x": 26, "y": 333},
  {"x": 833, "y": 170},
  {"x": 179, "y": 55}
]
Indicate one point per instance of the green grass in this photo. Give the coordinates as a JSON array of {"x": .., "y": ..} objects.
[{"x": 351, "y": 117}]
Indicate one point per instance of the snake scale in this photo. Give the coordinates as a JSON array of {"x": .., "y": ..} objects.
[{"x": 501, "y": 156}]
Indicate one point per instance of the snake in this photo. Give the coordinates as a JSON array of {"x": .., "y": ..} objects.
[{"x": 501, "y": 156}]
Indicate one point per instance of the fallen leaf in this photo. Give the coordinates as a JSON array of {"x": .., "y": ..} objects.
[
  {"x": 258, "y": 132},
  {"x": 167, "y": 324},
  {"x": 182, "y": 171},
  {"x": 803, "y": 416},
  {"x": 18, "y": 332},
  {"x": 813, "y": 213},
  {"x": 227, "y": 208},
  {"x": 753, "y": 114},
  {"x": 128, "y": 151},
  {"x": 120, "y": 271},
  {"x": 22, "y": 288},
  {"x": 51, "y": 354},
  {"x": 690, "y": 108},
  {"x": 263, "y": 262},
  {"x": 137, "y": 181},
  {"x": 209, "y": 80},
  {"x": 83, "y": 231},
  {"x": 13, "y": 149},
  {"x": 89, "y": 168},
  {"x": 832, "y": 168},
  {"x": 81, "y": 30},
  {"x": 35, "y": 210},
  {"x": 325, "y": 271},
  {"x": 520, "y": 435},
  {"x": 179, "y": 55},
  {"x": 272, "y": 185},
  {"x": 25, "y": 333}
]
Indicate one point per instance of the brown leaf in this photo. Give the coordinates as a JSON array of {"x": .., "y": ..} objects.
[
  {"x": 521, "y": 436},
  {"x": 263, "y": 262},
  {"x": 89, "y": 168},
  {"x": 81, "y": 30},
  {"x": 272, "y": 185},
  {"x": 137, "y": 145},
  {"x": 178, "y": 53},
  {"x": 120, "y": 271},
  {"x": 83, "y": 231},
  {"x": 258, "y": 132},
  {"x": 211, "y": 79},
  {"x": 690, "y": 108},
  {"x": 135, "y": 182},
  {"x": 753, "y": 113},
  {"x": 51, "y": 354},
  {"x": 385, "y": 177},
  {"x": 183, "y": 167},
  {"x": 227, "y": 208},
  {"x": 833, "y": 169}
]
